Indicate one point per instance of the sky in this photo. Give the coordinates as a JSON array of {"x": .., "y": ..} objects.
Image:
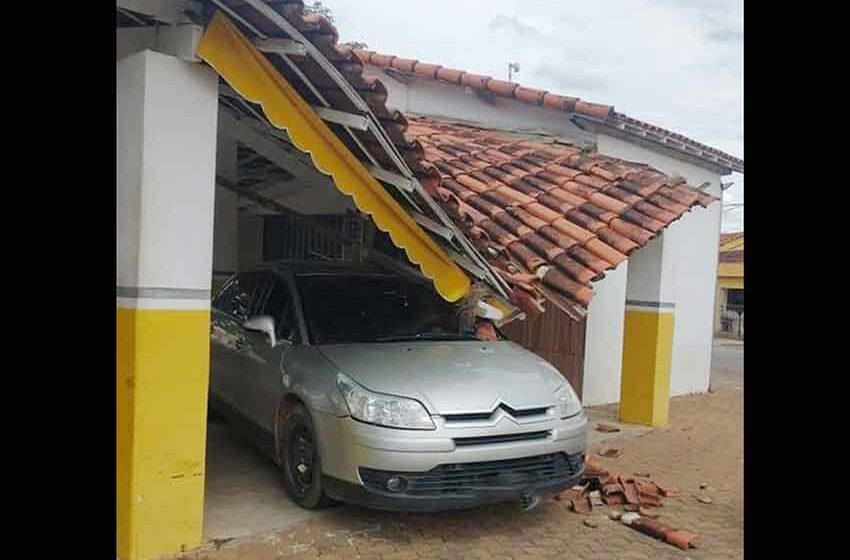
[{"x": 675, "y": 63}]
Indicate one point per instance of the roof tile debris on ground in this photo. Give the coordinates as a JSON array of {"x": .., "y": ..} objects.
[
  {"x": 607, "y": 428},
  {"x": 550, "y": 216},
  {"x": 637, "y": 494}
]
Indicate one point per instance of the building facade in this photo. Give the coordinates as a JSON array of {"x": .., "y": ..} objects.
[{"x": 729, "y": 312}]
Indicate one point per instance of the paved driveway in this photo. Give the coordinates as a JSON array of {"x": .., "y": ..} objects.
[{"x": 703, "y": 444}]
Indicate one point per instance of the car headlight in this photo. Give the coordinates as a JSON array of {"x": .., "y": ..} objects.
[
  {"x": 383, "y": 410},
  {"x": 568, "y": 403}
]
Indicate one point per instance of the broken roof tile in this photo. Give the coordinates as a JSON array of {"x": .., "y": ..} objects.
[{"x": 556, "y": 217}]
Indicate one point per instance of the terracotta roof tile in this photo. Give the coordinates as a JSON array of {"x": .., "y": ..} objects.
[
  {"x": 551, "y": 219},
  {"x": 403, "y": 64},
  {"x": 529, "y": 95},
  {"x": 381, "y": 60},
  {"x": 550, "y": 100},
  {"x": 428, "y": 71},
  {"x": 476, "y": 81},
  {"x": 595, "y": 110},
  {"x": 448, "y": 74},
  {"x": 501, "y": 87}
]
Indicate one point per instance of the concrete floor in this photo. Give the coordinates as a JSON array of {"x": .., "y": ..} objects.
[{"x": 244, "y": 494}]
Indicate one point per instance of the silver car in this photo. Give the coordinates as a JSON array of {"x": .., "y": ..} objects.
[{"x": 363, "y": 387}]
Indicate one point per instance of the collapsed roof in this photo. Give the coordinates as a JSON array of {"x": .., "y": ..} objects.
[
  {"x": 545, "y": 218},
  {"x": 551, "y": 217}
]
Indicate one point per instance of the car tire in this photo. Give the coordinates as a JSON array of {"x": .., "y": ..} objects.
[{"x": 301, "y": 461}]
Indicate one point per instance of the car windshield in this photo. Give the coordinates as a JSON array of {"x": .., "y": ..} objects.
[{"x": 375, "y": 308}]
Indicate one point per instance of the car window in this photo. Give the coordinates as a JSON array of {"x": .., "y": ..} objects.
[
  {"x": 238, "y": 296},
  {"x": 278, "y": 304},
  {"x": 375, "y": 308}
]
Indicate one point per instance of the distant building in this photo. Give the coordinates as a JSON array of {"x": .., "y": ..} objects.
[{"x": 729, "y": 315}]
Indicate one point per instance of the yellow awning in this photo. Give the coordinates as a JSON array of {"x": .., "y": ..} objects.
[{"x": 248, "y": 72}]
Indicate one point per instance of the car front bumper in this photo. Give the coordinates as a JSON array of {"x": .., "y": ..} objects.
[{"x": 439, "y": 473}]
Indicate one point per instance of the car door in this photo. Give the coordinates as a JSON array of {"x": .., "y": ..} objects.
[
  {"x": 262, "y": 379},
  {"x": 230, "y": 341}
]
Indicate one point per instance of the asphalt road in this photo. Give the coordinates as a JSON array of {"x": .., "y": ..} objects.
[{"x": 727, "y": 364}]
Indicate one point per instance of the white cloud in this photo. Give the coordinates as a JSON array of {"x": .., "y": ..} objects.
[{"x": 675, "y": 63}]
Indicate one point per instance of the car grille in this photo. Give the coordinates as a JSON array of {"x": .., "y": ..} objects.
[
  {"x": 459, "y": 479},
  {"x": 485, "y": 440},
  {"x": 472, "y": 416}
]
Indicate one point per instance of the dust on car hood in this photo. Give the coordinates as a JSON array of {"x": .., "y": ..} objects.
[{"x": 450, "y": 376}]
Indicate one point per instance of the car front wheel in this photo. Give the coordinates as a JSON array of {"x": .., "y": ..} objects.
[{"x": 302, "y": 464}]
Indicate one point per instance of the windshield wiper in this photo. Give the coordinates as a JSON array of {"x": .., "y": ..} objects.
[{"x": 426, "y": 336}]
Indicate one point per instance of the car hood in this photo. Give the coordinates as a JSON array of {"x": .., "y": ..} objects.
[{"x": 451, "y": 377}]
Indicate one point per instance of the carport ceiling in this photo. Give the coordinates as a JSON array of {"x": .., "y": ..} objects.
[{"x": 302, "y": 48}]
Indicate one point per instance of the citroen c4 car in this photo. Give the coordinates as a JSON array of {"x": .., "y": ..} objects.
[{"x": 363, "y": 387}]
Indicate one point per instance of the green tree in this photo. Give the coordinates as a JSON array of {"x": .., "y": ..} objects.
[{"x": 320, "y": 9}]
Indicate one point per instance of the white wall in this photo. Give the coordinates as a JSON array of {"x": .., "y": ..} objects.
[
  {"x": 604, "y": 339},
  {"x": 437, "y": 99},
  {"x": 166, "y": 161},
  {"x": 652, "y": 272},
  {"x": 180, "y": 41},
  {"x": 693, "y": 241}
]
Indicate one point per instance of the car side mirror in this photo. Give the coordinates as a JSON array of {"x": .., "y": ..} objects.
[{"x": 264, "y": 324}]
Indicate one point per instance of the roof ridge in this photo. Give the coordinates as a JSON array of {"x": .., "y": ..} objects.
[
  {"x": 544, "y": 98},
  {"x": 483, "y": 82}
]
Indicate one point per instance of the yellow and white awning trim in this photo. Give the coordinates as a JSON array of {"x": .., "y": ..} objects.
[{"x": 247, "y": 70}]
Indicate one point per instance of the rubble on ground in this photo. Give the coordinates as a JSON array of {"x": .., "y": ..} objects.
[
  {"x": 607, "y": 428},
  {"x": 638, "y": 496}
]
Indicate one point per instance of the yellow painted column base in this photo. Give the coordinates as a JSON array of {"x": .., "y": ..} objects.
[
  {"x": 645, "y": 382},
  {"x": 161, "y": 398}
]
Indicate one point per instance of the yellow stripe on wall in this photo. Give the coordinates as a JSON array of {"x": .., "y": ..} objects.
[
  {"x": 645, "y": 382},
  {"x": 162, "y": 380}
]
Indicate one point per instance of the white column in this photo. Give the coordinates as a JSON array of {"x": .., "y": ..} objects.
[
  {"x": 604, "y": 339},
  {"x": 652, "y": 278},
  {"x": 166, "y": 153},
  {"x": 648, "y": 334},
  {"x": 165, "y": 189},
  {"x": 696, "y": 238}
]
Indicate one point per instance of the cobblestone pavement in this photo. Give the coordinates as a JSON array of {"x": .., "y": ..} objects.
[{"x": 703, "y": 444}]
